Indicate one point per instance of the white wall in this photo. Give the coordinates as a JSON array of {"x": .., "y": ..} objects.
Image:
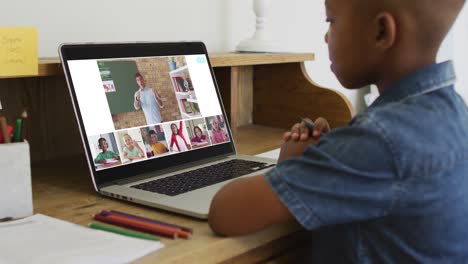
[
  {"x": 299, "y": 24},
  {"x": 220, "y": 24},
  {"x": 114, "y": 20},
  {"x": 457, "y": 44}
]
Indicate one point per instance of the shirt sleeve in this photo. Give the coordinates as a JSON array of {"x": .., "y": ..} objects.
[
  {"x": 134, "y": 98},
  {"x": 348, "y": 176}
]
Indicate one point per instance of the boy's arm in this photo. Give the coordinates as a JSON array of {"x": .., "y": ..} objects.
[
  {"x": 246, "y": 206},
  {"x": 141, "y": 153},
  {"x": 158, "y": 99},
  {"x": 249, "y": 204}
]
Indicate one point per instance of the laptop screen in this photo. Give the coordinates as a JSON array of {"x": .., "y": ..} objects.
[{"x": 141, "y": 113}]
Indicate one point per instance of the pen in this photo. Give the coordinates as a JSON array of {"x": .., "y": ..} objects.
[
  {"x": 309, "y": 124},
  {"x": 186, "y": 229},
  {"x": 122, "y": 231}
]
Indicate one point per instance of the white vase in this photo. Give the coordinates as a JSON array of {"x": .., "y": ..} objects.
[{"x": 262, "y": 40}]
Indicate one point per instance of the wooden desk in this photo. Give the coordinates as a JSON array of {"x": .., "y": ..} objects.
[
  {"x": 264, "y": 94},
  {"x": 62, "y": 189}
]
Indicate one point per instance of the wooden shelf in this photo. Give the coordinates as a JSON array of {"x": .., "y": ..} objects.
[
  {"x": 250, "y": 59},
  {"x": 178, "y": 70},
  {"x": 53, "y": 66}
]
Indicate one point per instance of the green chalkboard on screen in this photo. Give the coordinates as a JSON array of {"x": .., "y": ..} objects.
[{"x": 119, "y": 82}]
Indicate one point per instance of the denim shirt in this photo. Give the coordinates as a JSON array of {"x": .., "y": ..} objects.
[{"x": 391, "y": 186}]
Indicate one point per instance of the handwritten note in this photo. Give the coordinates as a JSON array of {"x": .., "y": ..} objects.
[{"x": 18, "y": 51}]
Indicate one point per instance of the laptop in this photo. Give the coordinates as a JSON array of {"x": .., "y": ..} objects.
[{"x": 153, "y": 125}]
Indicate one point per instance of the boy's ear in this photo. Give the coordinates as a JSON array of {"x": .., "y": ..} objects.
[{"x": 386, "y": 30}]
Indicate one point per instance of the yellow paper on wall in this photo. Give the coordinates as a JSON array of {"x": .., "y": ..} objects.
[{"x": 18, "y": 51}]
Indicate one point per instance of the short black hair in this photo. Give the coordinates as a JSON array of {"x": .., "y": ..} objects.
[
  {"x": 151, "y": 132},
  {"x": 99, "y": 141},
  {"x": 138, "y": 75}
]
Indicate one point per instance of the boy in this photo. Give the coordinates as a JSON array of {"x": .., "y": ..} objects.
[
  {"x": 391, "y": 187},
  {"x": 156, "y": 146},
  {"x": 106, "y": 153}
]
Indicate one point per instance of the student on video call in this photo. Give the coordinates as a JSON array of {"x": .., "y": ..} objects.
[
  {"x": 177, "y": 139},
  {"x": 106, "y": 154},
  {"x": 218, "y": 134},
  {"x": 132, "y": 150},
  {"x": 146, "y": 99},
  {"x": 156, "y": 146},
  {"x": 199, "y": 140}
]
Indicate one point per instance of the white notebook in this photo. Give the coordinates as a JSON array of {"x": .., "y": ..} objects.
[{"x": 43, "y": 239}]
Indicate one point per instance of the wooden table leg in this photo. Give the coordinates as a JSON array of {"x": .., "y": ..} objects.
[{"x": 241, "y": 96}]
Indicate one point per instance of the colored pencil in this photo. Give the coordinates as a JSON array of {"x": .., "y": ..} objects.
[
  {"x": 24, "y": 116},
  {"x": 122, "y": 231},
  {"x": 4, "y": 128},
  {"x": 113, "y": 221},
  {"x": 309, "y": 124},
  {"x": 150, "y": 226},
  {"x": 186, "y": 229}
]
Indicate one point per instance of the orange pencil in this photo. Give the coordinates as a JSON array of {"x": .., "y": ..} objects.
[{"x": 153, "y": 226}]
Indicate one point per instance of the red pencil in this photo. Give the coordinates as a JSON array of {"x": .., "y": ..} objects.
[
  {"x": 179, "y": 232},
  {"x": 117, "y": 222},
  {"x": 113, "y": 212}
]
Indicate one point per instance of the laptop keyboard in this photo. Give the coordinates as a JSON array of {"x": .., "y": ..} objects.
[{"x": 199, "y": 178}]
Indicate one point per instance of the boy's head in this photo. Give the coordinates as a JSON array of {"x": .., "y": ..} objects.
[
  {"x": 380, "y": 41},
  {"x": 140, "y": 80},
  {"x": 102, "y": 142},
  {"x": 153, "y": 136}
]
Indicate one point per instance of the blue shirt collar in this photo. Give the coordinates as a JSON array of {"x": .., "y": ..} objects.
[{"x": 422, "y": 81}]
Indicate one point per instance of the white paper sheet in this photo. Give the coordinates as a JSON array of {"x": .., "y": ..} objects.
[
  {"x": 273, "y": 154},
  {"x": 43, "y": 239}
]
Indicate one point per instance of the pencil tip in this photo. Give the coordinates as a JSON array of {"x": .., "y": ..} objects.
[{"x": 24, "y": 114}]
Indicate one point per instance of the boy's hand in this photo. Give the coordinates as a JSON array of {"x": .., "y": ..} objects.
[
  {"x": 320, "y": 126},
  {"x": 292, "y": 149},
  {"x": 301, "y": 131},
  {"x": 138, "y": 96}
]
